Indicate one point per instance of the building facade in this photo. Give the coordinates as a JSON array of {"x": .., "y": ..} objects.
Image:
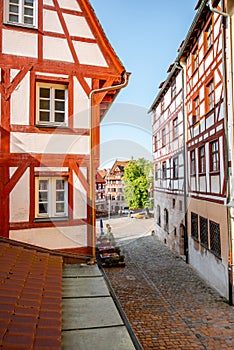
[
  {"x": 205, "y": 62},
  {"x": 59, "y": 76}
]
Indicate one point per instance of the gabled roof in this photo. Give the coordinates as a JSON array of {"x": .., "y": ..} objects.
[{"x": 121, "y": 164}]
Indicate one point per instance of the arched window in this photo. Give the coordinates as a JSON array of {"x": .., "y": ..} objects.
[
  {"x": 166, "y": 220},
  {"x": 158, "y": 215}
]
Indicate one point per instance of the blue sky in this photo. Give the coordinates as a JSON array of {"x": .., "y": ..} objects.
[{"x": 146, "y": 36}]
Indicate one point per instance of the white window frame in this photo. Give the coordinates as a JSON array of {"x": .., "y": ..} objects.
[
  {"x": 52, "y": 87},
  {"x": 51, "y": 199},
  {"x": 20, "y": 22}
]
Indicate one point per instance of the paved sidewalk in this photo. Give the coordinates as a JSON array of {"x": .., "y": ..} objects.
[
  {"x": 91, "y": 319},
  {"x": 167, "y": 304}
]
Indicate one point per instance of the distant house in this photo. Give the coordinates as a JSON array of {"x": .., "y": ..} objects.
[
  {"x": 115, "y": 187},
  {"x": 193, "y": 148},
  {"x": 54, "y": 59},
  {"x": 100, "y": 193}
]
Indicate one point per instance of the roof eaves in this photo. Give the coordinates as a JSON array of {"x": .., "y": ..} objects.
[{"x": 181, "y": 52}]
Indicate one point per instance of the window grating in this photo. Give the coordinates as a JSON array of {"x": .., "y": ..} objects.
[
  {"x": 204, "y": 231},
  {"x": 194, "y": 225},
  {"x": 215, "y": 244}
]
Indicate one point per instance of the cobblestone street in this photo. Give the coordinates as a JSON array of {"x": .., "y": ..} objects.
[{"x": 167, "y": 304}]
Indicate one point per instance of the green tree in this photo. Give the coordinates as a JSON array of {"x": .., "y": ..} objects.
[{"x": 137, "y": 182}]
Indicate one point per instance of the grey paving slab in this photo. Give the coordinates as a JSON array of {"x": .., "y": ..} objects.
[
  {"x": 84, "y": 287},
  {"x": 113, "y": 338},
  {"x": 81, "y": 270},
  {"x": 89, "y": 312}
]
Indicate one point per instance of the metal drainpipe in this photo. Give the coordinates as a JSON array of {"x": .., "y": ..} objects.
[
  {"x": 181, "y": 68},
  {"x": 92, "y": 173},
  {"x": 229, "y": 208}
]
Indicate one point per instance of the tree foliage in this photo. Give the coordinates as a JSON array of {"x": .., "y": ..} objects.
[{"x": 137, "y": 182}]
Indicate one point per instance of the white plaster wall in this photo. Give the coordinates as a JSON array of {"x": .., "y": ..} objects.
[
  {"x": 49, "y": 143},
  {"x": 89, "y": 53},
  {"x": 19, "y": 199},
  {"x": 53, "y": 237},
  {"x": 77, "y": 26},
  {"x": 80, "y": 199},
  {"x": 20, "y": 102},
  {"x": 81, "y": 106},
  {"x": 48, "y": 2},
  {"x": 69, "y": 4},
  {"x": 13, "y": 43},
  {"x": 212, "y": 270},
  {"x": 51, "y": 22},
  {"x": 56, "y": 49}
]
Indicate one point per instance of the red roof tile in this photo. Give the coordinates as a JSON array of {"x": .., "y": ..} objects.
[{"x": 30, "y": 298}]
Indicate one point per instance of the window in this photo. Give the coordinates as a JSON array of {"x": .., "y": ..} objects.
[
  {"x": 156, "y": 172},
  {"x": 163, "y": 137},
  {"x": 155, "y": 143},
  {"x": 194, "y": 225},
  {"x": 164, "y": 170},
  {"x": 52, "y": 104},
  {"x": 158, "y": 215},
  {"x": 175, "y": 168},
  {"x": 215, "y": 245},
  {"x": 195, "y": 59},
  {"x": 210, "y": 96},
  {"x": 214, "y": 148},
  {"x": 192, "y": 163},
  {"x": 173, "y": 89},
  {"x": 21, "y": 12},
  {"x": 196, "y": 110},
  {"x": 204, "y": 231},
  {"x": 180, "y": 205},
  {"x": 209, "y": 37},
  {"x": 173, "y": 203},
  {"x": 51, "y": 197},
  {"x": 162, "y": 105},
  {"x": 202, "y": 160},
  {"x": 166, "y": 220},
  {"x": 175, "y": 128}
]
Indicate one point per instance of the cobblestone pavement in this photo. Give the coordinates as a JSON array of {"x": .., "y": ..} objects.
[{"x": 167, "y": 304}]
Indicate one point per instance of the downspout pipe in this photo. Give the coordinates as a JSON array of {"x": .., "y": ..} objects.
[
  {"x": 226, "y": 125},
  {"x": 91, "y": 167},
  {"x": 186, "y": 248}
]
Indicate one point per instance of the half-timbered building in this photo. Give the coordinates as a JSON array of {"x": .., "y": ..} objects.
[
  {"x": 59, "y": 76},
  {"x": 205, "y": 60},
  {"x": 168, "y": 157}
]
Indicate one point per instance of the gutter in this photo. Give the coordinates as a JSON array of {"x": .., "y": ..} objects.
[{"x": 92, "y": 172}]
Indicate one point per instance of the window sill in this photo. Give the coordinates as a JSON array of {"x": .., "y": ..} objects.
[
  {"x": 53, "y": 219},
  {"x": 52, "y": 126},
  {"x": 20, "y": 25}
]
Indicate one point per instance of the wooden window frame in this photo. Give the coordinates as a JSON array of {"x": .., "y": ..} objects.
[
  {"x": 8, "y": 14},
  {"x": 164, "y": 170},
  {"x": 192, "y": 163},
  {"x": 51, "y": 197},
  {"x": 175, "y": 128},
  {"x": 52, "y": 110},
  {"x": 163, "y": 137},
  {"x": 208, "y": 37},
  {"x": 214, "y": 157},
  {"x": 175, "y": 168},
  {"x": 195, "y": 59},
  {"x": 202, "y": 160},
  {"x": 173, "y": 89},
  {"x": 196, "y": 110},
  {"x": 210, "y": 96}
]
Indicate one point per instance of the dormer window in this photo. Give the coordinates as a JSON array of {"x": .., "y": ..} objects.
[{"x": 21, "y": 12}]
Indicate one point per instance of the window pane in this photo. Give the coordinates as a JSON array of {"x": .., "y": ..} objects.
[
  {"x": 14, "y": 2},
  {"x": 14, "y": 9},
  {"x": 59, "y": 117},
  {"x": 28, "y": 12},
  {"x": 59, "y": 94},
  {"x": 43, "y": 208},
  {"x": 59, "y": 207},
  {"x": 14, "y": 18},
  {"x": 45, "y": 104},
  {"x": 60, "y": 196},
  {"x": 28, "y": 2},
  {"x": 59, "y": 184},
  {"x": 43, "y": 185},
  {"x": 43, "y": 196},
  {"x": 45, "y": 92},
  {"x": 59, "y": 106},
  {"x": 44, "y": 116}
]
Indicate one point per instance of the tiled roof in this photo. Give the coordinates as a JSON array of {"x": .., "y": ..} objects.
[{"x": 30, "y": 298}]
